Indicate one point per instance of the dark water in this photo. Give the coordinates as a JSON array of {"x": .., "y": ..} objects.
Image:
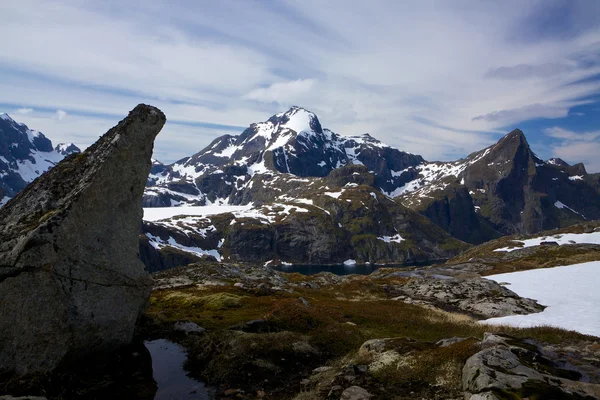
[
  {"x": 341, "y": 269},
  {"x": 171, "y": 379}
]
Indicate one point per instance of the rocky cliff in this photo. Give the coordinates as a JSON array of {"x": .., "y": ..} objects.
[
  {"x": 70, "y": 278},
  {"x": 501, "y": 190}
]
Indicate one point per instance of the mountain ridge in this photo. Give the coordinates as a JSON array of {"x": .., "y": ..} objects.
[
  {"x": 24, "y": 155},
  {"x": 502, "y": 189}
]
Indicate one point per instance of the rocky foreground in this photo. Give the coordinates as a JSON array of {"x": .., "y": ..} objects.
[{"x": 253, "y": 332}]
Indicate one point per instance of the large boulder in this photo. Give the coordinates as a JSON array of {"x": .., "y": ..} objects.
[{"x": 70, "y": 278}]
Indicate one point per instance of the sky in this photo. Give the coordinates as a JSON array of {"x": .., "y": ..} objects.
[{"x": 436, "y": 78}]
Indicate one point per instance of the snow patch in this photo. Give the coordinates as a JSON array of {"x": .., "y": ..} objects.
[
  {"x": 570, "y": 293},
  {"x": 567, "y": 238}
]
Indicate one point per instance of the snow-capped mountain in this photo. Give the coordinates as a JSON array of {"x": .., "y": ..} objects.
[
  {"x": 503, "y": 189},
  {"x": 25, "y": 154},
  {"x": 289, "y": 143}
]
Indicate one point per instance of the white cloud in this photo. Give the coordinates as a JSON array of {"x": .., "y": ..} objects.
[
  {"x": 24, "y": 111},
  {"x": 374, "y": 67},
  {"x": 60, "y": 114},
  {"x": 506, "y": 117},
  {"x": 283, "y": 92},
  {"x": 575, "y": 147}
]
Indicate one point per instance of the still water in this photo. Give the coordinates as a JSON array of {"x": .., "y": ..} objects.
[
  {"x": 342, "y": 269},
  {"x": 172, "y": 380}
]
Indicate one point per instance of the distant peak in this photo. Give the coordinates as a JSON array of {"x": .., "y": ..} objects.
[
  {"x": 295, "y": 109},
  {"x": 6, "y": 117},
  {"x": 513, "y": 137}
]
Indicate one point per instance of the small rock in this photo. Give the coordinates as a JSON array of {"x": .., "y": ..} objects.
[
  {"x": 361, "y": 369},
  {"x": 350, "y": 323},
  {"x": 264, "y": 289},
  {"x": 238, "y": 285},
  {"x": 355, "y": 393},
  {"x": 304, "y": 301},
  {"x": 320, "y": 370},
  {"x": 188, "y": 327},
  {"x": 305, "y": 382},
  {"x": 449, "y": 341},
  {"x": 334, "y": 391}
]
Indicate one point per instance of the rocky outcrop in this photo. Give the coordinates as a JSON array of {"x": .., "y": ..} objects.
[
  {"x": 458, "y": 290},
  {"x": 511, "y": 368},
  {"x": 70, "y": 279}
]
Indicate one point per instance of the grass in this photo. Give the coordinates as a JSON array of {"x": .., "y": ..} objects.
[{"x": 329, "y": 331}]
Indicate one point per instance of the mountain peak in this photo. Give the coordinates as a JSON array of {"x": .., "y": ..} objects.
[
  {"x": 558, "y": 161},
  {"x": 6, "y": 117}
]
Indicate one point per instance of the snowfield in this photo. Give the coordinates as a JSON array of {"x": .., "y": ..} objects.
[
  {"x": 570, "y": 293},
  {"x": 567, "y": 238}
]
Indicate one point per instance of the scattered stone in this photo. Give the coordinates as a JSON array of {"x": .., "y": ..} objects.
[
  {"x": 71, "y": 281},
  {"x": 238, "y": 285},
  {"x": 320, "y": 370},
  {"x": 514, "y": 367},
  {"x": 253, "y": 326},
  {"x": 449, "y": 341},
  {"x": 304, "y": 301},
  {"x": 335, "y": 391},
  {"x": 264, "y": 289},
  {"x": 188, "y": 327},
  {"x": 355, "y": 393}
]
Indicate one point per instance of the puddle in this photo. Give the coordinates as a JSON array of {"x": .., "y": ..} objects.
[{"x": 171, "y": 379}]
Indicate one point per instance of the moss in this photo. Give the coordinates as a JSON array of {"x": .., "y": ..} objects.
[{"x": 47, "y": 216}]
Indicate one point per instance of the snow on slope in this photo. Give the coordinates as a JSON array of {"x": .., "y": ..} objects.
[
  {"x": 566, "y": 238},
  {"x": 26, "y": 154},
  {"x": 158, "y": 213},
  {"x": 570, "y": 293}
]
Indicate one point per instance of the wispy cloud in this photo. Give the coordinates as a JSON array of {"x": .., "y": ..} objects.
[
  {"x": 382, "y": 67},
  {"x": 61, "y": 114},
  {"x": 576, "y": 146},
  {"x": 24, "y": 111},
  {"x": 283, "y": 92}
]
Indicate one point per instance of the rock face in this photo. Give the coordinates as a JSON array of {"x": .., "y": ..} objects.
[
  {"x": 339, "y": 217},
  {"x": 501, "y": 190},
  {"x": 70, "y": 278},
  {"x": 511, "y": 368}
]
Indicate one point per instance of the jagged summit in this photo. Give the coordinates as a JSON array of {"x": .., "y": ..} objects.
[
  {"x": 503, "y": 189},
  {"x": 558, "y": 161},
  {"x": 291, "y": 142}
]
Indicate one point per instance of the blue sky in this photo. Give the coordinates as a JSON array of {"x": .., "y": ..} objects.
[{"x": 437, "y": 78}]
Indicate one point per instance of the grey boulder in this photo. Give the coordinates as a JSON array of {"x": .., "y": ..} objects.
[{"x": 70, "y": 278}]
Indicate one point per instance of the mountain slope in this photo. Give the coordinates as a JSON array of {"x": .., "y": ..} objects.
[
  {"x": 24, "y": 155},
  {"x": 501, "y": 190},
  {"x": 292, "y": 142},
  {"x": 327, "y": 220}
]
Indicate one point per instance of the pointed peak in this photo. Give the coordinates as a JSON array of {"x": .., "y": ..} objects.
[
  {"x": 558, "y": 161},
  {"x": 513, "y": 137},
  {"x": 67, "y": 148},
  {"x": 6, "y": 117}
]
